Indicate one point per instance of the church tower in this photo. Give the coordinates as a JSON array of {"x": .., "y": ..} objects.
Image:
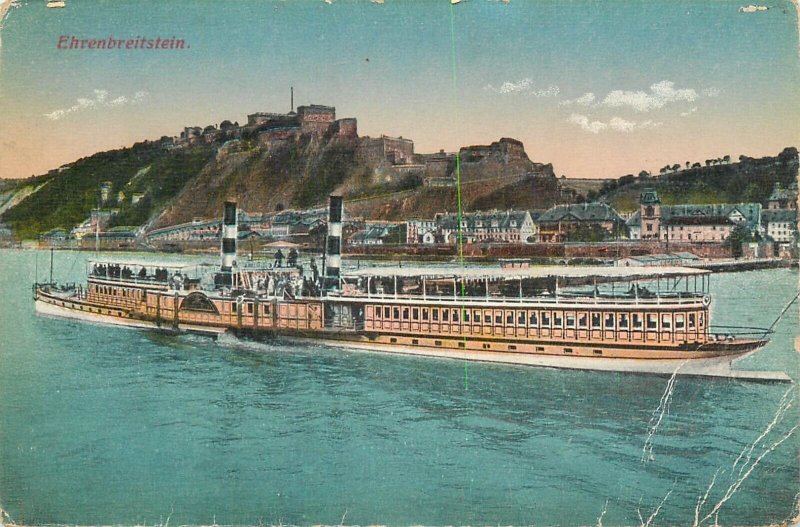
[{"x": 650, "y": 211}]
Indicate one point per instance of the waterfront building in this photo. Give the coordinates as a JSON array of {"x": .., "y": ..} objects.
[
  {"x": 692, "y": 223},
  {"x": 780, "y": 225},
  {"x": 562, "y": 222},
  {"x": 783, "y": 198},
  {"x": 510, "y": 226}
]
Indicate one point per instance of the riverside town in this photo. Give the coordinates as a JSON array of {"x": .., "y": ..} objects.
[
  {"x": 564, "y": 272},
  {"x": 385, "y": 262}
]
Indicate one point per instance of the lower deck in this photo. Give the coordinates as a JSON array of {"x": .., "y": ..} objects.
[
  {"x": 620, "y": 334},
  {"x": 705, "y": 364}
]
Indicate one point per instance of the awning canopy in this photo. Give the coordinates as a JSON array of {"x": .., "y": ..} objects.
[{"x": 545, "y": 271}]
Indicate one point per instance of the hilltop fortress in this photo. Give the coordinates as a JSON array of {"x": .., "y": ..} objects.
[{"x": 392, "y": 158}]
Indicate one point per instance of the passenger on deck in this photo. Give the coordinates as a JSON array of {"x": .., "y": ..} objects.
[
  {"x": 291, "y": 261},
  {"x": 278, "y": 258},
  {"x": 143, "y": 273}
]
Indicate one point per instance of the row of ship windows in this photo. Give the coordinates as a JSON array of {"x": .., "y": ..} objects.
[
  {"x": 249, "y": 308},
  {"x": 116, "y": 291},
  {"x": 546, "y": 319}
]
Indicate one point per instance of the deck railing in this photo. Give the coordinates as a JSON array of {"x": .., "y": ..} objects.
[{"x": 663, "y": 299}]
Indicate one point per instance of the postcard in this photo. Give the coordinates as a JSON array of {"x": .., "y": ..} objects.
[{"x": 385, "y": 262}]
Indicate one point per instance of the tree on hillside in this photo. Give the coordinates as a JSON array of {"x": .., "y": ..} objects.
[
  {"x": 726, "y": 159},
  {"x": 676, "y": 167},
  {"x": 696, "y": 165}
]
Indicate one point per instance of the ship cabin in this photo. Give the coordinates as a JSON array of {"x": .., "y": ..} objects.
[
  {"x": 127, "y": 284},
  {"x": 253, "y": 297},
  {"x": 665, "y": 306}
]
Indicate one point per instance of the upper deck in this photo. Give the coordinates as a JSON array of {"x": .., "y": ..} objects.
[{"x": 542, "y": 285}]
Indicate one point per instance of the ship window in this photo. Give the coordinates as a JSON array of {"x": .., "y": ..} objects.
[
  {"x": 512, "y": 347},
  {"x": 424, "y": 313},
  {"x": 437, "y": 342},
  {"x": 415, "y": 313},
  {"x": 435, "y": 314},
  {"x": 582, "y": 321},
  {"x": 487, "y": 346},
  {"x": 609, "y": 321},
  {"x": 570, "y": 320},
  {"x": 595, "y": 320},
  {"x": 666, "y": 322},
  {"x": 396, "y": 313},
  {"x": 521, "y": 318},
  {"x": 405, "y": 313},
  {"x": 392, "y": 340},
  {"x": 462, "y": 344},
  {"x": 476, "y": 317},
  {"x": 387, "y": 312},
  {"x": 466, "y": 315},
  {"x": 557, "y": 319},
  {"x": 691, "y": 320},
  {"x": 597, "y": 352},
  {"x": 487, "y": 318},
  {"x": 498, "y": 317},
  {"x": 623, "y": 321},
  {"x": 652, "y": 321},
  {"x": 680, "y": 322},
  {"x": 446, "y": 315},
  {"x": 533, "y": 320},
  {"x": 567, "y": 350},
  {"x": 266, "y": 309},
  {"x": 249, "y": 308},
  {"x": 510, "y": 318},
  {"x": 539, "y": 349},
  {"x": 545, "y": 319},
  {"x": 637, "y": 321},
  {"x": 415, "y": 341},
  {"x": 700, "y": 320},
  {"x": 377, "y": 311}
]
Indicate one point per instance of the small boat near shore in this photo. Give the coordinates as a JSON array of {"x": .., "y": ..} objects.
[{"x": 625, "y": 319}]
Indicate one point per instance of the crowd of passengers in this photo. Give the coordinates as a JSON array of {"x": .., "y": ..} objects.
[{"x": 123, "y": 271}]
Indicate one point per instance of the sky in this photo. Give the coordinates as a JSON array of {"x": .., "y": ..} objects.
[{"x": 597, "y": 88}]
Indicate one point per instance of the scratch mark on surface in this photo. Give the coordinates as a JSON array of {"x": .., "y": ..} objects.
[
  {"x": 658, "y": 415},
  {"x": 602, "y": 513},
  {"x": 749, "y": 464}
]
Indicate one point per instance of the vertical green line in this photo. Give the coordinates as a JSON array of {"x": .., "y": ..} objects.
[{"x": 459, "y": 213}]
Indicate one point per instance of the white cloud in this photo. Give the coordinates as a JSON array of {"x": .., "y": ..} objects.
[
  {"x": 616, "y": 124},
  {"x": 689, "y": 112},
  {"x": 583, "y": 121},
  {"x": 587, "y": 99},
  {"x": 657, "y": 96},
  {"x": 660, "y": 94},
  {"x": 621, "y": 125},
  {"x": 100, "y": 100},
  {"x": 524, "y": 86}
]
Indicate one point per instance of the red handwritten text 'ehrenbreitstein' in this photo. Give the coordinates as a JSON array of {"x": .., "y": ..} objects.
[{"x": 158, "y": 43}]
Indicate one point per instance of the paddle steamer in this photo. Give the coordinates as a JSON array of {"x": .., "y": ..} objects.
[{"x": 642, "y": 319}]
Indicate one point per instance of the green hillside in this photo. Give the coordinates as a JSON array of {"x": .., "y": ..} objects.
[
  {"x": 68, "y": 197},
  {"x": 749, "y": 180}
]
